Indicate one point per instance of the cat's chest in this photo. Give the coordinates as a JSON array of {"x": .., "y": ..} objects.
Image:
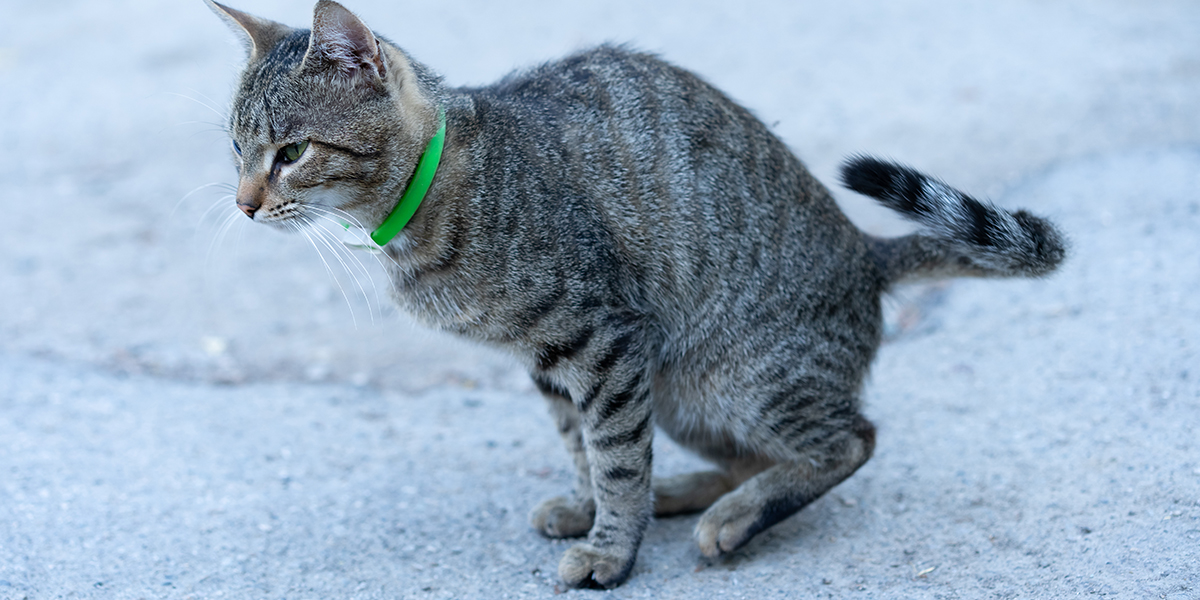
[{"x": 452, "y": 302}]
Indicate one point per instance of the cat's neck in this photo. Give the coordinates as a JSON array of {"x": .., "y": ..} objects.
[{"x": 437, "y": 229}]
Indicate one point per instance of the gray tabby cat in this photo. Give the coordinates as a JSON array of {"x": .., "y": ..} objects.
[{"x": 642, "y": 243}]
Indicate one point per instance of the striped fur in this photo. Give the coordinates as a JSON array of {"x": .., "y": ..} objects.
[
  {"x": 649, "y": 250},
  {"x": 964, "y": 236}
]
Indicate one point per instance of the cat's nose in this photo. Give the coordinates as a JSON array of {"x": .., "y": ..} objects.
[
  {"x": 249, "y": 196},
  {"x": 249, "y": 209}
]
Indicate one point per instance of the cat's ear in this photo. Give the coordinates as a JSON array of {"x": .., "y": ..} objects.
[
  {"x": 343, "y": 43},
  {"x": 257, "y": 35}
]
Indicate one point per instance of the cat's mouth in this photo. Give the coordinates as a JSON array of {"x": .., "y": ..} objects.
[{"x": 324, "y": 224}]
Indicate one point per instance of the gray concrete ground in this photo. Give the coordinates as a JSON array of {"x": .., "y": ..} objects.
[{"x": 193, "y": 407}]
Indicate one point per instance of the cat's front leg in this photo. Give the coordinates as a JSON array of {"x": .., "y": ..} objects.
[
  {"x": 563, "y": 516},
  {"x": 611, "y": 392}
]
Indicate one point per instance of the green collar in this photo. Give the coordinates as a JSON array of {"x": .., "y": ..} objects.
[{"x": 417, "y": 187}]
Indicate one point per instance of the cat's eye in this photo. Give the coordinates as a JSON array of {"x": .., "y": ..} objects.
[
  {"x": 293, "y": 152},
  {"x": 236, "y": 148}
]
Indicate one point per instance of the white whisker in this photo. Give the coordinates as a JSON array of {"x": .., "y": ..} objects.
[
  {"x": 328, "y": 268},
  {"x": 219, "y": 237},
  {"x": 334, "y": 213},
  {"x": 205, "y": 105},
  {"x": 197, "y": 189},
  {"x": 334, "y": 245},
  {"x": 331, "y": 241}
]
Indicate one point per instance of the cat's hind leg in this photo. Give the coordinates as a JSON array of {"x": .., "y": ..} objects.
[
  {"x": 781, "y": 490},
  {"x": 562, "y": 516},
  {"x": 689, "y": 492},
  {"x": 694, "y": 492}
]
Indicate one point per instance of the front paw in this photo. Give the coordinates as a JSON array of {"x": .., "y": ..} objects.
[
  {"x": 588, "y": 566},
  {"x": 563, "y": 517}
]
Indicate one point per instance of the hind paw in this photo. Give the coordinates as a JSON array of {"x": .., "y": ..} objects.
[
  {"x": 563, "y": 517},
  {"x": 728, "y": 524}
]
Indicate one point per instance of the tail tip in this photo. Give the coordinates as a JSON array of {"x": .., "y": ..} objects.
[{"x": 1049, "y": 244}]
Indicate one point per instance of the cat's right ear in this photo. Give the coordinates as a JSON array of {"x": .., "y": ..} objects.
[{"x": 257, "y": 35}]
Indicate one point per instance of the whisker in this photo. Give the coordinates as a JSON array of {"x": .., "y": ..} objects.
[
  {"x": 208, "y": 106},
  {"x": 334, "y": 212},
  {"x": 219, "y": 204},
  {"x": 219, "y": 238},
  {"x": 211, "y": 128},
  {"x": 331, "y": 240},
  {"x": 202, "y": 94},
  {"x": 197, "y": 189},
  {"x": 322, "y": 235},
  {"x": 306, "y": 235}
]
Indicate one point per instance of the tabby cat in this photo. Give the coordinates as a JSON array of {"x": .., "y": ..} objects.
[{"x": 643, "y": 244}]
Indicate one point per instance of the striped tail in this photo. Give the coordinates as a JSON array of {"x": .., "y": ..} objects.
[{"x": 960, "y": 235}]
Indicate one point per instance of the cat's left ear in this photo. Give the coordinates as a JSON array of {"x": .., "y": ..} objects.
[
  {"x": 342, "y": 42},
  {"x": 258, "y": 35}
]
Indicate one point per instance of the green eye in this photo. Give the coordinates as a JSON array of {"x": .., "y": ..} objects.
[{"x": 293, "y": 152}]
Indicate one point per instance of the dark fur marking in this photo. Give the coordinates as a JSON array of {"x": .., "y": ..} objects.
[
  {"x": 549, "y": 388},
  {"x": 351, "y": 152},
  {"x": 911, "y": 190},
  {"x": 620, "y": 474},
  {"x": 619, "y": 401},
  {"x": 774, "y": 511},
  {"x": 624, "y": 438},
  {"x": 449, "y": 260},
  {"x": 899, "y": 187},
  {"x": 615, "y": 352},
  {"x": 552, "y": 354},
  {"x": 534, "y": 314},
  {"x": 591, "y": 395},
  {"x": 794, "y": 391},
  {"x": 981, "y": 222}
]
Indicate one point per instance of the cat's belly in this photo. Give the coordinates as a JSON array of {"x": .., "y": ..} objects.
[{"x": 697, "y": 414}]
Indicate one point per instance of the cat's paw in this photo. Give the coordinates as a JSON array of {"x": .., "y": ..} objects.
[
  {"x": 585, "y": 565},
  {"x": 728, "y": 523},
  {"x": 563, "y": 517}
]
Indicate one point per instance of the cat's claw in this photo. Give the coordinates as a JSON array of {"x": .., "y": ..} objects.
[
  {"x": 562, "y": 517},
  {"x": 586, "y": 565}
]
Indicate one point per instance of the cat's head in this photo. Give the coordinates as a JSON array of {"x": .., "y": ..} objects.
[{"x": 327, "y": 122}]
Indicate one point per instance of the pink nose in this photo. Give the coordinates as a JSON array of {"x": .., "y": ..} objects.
[{"x": 249, "y": 209}]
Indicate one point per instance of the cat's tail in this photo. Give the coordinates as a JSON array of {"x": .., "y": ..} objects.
[{"x": 960, "y": 235}]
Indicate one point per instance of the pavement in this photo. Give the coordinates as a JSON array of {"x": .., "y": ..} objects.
[{"x": 192, "y": 406}]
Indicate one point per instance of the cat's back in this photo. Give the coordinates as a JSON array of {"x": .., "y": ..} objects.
[
  {"x": 696, "y": 187},
  {"x": 715, "y": 228}
]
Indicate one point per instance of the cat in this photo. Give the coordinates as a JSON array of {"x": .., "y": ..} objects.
[{"x": 640, "y": 242}]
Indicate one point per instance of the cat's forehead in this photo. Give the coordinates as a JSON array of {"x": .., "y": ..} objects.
[
  {"x": 278, "y": 97},
  {"x": 270, "y": 98}
]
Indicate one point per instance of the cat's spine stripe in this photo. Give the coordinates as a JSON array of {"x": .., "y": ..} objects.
[{"x": 985, "y": 239}]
